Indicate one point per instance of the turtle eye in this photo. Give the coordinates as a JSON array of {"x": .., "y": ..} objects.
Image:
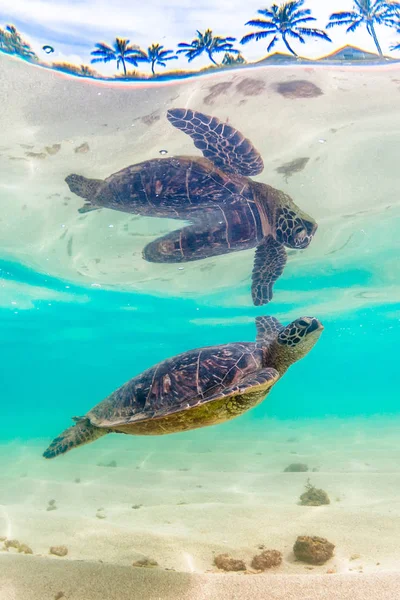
[{"x": 304, "y": 323}]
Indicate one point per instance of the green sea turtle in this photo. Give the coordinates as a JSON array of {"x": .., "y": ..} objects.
[
  {"x": 197, "y": 388},
  {"x": 228, "y": 210}
]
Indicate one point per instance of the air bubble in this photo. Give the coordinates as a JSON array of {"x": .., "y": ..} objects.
[{"x": 163, "y": 151}]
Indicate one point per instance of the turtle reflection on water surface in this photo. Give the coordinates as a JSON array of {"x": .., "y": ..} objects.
[
  {"x": 197, "y": 388},
  {"x": 228, "y": 210}
]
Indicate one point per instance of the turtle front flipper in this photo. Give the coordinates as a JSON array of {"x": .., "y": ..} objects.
[
  {"x": 87, "y": 208},
  {"x": 77, "y": 435},
  {"x": 245, "y": 394},
  {"x": 209, "y": 235},
  {"x": 268, "y": 328},
  {"x": 269, "y": 262},
  {"x": 223, "y": 145},
  {"x": 193, "y": 242}
]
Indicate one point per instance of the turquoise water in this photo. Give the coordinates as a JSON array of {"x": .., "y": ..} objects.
[
  {"x": 61, "y": 358},
  {"x": 82, "y": 312}
]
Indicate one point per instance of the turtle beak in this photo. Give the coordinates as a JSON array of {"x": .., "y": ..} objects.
[{"x": 315, "y": 325}]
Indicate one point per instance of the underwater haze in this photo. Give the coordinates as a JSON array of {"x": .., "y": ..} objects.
[{"x": 144, "y": 217}]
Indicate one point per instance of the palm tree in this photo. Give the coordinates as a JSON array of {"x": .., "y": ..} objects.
[
  {"x": 81, "y": 70},
  {"x": 86, "y": 71},
  {"x": 231, "y": 59},
  {"x": 208, "y": 43},
  {"x": 156, "y": 55},
  {"x": 12, "y": 43},
  {"x": 286, "y": 20},
  {"x": 368, "y": 13},
  {"x": 120, "y": 51}
]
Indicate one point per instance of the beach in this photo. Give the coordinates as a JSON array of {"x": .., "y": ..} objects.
[{"x": 182, "y": 500}]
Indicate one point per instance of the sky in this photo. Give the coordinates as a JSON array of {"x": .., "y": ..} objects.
[{"x": 72, "y": 27}]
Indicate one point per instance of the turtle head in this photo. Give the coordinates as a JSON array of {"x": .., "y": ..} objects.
[
  {"x": 294, "y": 228},
  {"x": 84, "y": 187},
  {"x": 296, "y": 339}
]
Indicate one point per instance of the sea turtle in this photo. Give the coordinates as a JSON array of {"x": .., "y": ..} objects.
[
  {"x": 229, "y": 211},
  {"x": 197, "y": 388}
]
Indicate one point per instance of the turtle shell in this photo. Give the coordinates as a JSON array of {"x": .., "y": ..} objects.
[
  {"x": 172, "y": 187},
  {"x": 178, "y": 383}
]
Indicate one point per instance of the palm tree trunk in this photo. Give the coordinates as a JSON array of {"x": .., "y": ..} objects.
[
  {"x": 372, "y": 29},
  {"x": 152, "y": 66},
  {"x": 287, "y": 45},
  {"x": 211, "y": 58},
  {"x": 123, "y": 64}
]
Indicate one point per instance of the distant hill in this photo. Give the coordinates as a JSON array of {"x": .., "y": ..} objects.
[
  {"x": 279, "y": 58},
  {"x": 352, "y": 54},
  {"x": 346, "y": 55}
]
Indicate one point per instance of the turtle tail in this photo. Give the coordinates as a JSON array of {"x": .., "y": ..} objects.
[{"x": 77, "y": 435}]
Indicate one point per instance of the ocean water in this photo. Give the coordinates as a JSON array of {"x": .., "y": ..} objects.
[
  {"x": 82, "y": 312},
  {"x": 74, "y": 353}
]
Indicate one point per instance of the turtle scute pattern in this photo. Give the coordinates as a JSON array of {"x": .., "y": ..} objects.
[
  {"x": 226, "y": 147},
  {"x": 177, "y": 384}
]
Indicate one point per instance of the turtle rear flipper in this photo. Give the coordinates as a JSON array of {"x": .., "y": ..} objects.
[
  {"x": 77, "y": 435},
  {"x": 223, "y": 145},
  {"x": 269, "y": 262}
]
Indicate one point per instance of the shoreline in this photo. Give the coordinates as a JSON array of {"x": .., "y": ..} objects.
[
  {"x": 386, "y": 63},
  {"x": 34, "y": 578}
]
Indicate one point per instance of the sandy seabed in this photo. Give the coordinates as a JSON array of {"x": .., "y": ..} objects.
[{"x": 181, "y": 500}]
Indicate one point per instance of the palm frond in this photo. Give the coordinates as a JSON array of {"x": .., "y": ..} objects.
[
  {"x": 355, "y": 26},
  {"x": 223, "y": 49},
  {"x": 266, "y": 12},
  {"x": 272, "y": 43},
  {"x": 340, "y": 16},
  {"x": 133, "y": 60},
  {"x": 258, "y": 35},
  {"x": 192, "y": 53},
  {"x": 293, "y": 5},
  {"x": 164, "y": 53},
  {"x": 296, "y": 35},
  {"x": 295, "y": 14},
  {"x": 105, "y": 59},
  {"x": 184, "y": 45},
  {"x": 261, "y": 23},
  {"x": 102, "y": 48},
  {"x": 302, "y": 20},
  {"x": 317, "y": 33}
]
